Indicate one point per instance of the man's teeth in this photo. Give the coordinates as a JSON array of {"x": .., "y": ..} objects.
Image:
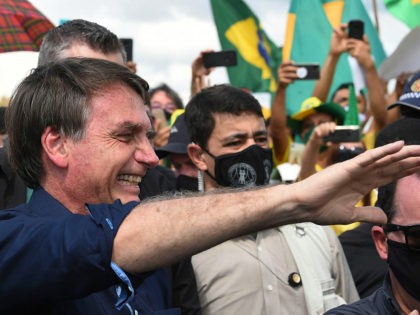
[{"x": 132, "y": 179}]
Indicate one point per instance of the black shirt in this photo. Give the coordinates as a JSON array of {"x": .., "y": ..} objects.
[
  {"x": 381, "y": 302},
  {"x": 367, "y": 268}
]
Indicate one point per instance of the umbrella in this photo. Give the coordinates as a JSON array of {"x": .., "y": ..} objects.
[{"x": 22, "y": 26}]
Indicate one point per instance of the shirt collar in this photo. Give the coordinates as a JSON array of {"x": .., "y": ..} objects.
[{"x": 42, "y": 203}]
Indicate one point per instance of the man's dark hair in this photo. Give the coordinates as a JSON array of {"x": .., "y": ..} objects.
[
  {"x": 58, "y": 95},
  {"x": 172, "y": 94},
  {"x": 344, "y": 86},
  {"x": 78, "y": 31},
  {"x": 216, "y": 99},
  {"x": 407, "y": 129},
  {"x": 409, "y": 112}
]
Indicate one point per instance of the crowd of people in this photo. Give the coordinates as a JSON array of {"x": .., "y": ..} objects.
[{"x": 120, "y": 199}]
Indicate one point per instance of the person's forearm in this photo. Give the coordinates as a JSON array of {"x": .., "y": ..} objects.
[
  {"x": 159, "y": 233},
  {"x": 195, "y": 84},
  {"x": 322, "y": 86},
  {"x": 309, "y": 157},
  {"x": 278, "y": 124},
  {"x": 156, "y": 234},
  {"x": 377, "y": 98}
]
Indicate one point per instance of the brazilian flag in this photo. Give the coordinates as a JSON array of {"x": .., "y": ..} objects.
[
  {"x": 408, "y": 11},
  {"x": 258, "y": 57},
  {"x": 310, "y": 24}
]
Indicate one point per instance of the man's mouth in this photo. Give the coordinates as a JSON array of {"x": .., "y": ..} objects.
[{"x": 129, "y": 179}]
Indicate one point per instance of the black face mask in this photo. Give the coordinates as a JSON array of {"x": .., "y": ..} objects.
[
  {"x": 405, "y": 265},
  {"x": 184, "y": 182},
  {"x": 249, "y": 167}
]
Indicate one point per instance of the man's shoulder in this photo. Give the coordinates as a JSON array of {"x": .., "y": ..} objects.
[
  {"x": 376, "y": 304},
  {"x": 363, "y": 306}
]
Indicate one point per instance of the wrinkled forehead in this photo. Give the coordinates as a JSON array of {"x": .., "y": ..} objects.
[{"x": 117, "y": 99}]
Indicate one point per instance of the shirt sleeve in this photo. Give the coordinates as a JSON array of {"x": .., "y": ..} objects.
[{"x": 49, "y": 259}]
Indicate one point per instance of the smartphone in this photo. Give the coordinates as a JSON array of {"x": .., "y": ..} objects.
[
  {"x": 128, "y": 46},
  {"x": 224, "y": 58},
  {"x": 344, "y": 134},
  {"x": 356, "y": 29},
  {"x": 158, "y": 113},
  {"x": 307, "y": 71}
]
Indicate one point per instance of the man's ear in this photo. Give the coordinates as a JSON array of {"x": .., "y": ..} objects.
[
  {"x": 195, "y": 152},
  {"x": 379, "y": 238},
  {"x": 55, "y": 147}
]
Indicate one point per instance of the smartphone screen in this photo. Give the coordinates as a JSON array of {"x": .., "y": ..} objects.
[{"x": 356, "y": 29}]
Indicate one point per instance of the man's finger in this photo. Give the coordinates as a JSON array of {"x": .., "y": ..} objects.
[
  {"x": 373, "y": 155},
  {"x": 407, "y": 157}
]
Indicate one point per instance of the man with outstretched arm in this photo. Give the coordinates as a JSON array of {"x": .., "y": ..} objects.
[{"x": 79, "y": 135}]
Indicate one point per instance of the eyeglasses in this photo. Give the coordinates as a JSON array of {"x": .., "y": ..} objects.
[
  {"x": 411, "y": 233},
  {"x": 169, "y": 107}
]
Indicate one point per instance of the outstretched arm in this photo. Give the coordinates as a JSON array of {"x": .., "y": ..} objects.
[
  {"x": 337, "y": 47},
  {"x": 311, "y": 150},
  {"x": 155, "y": 234},
  {"x": 199, "y": 74},
  {"x": 394, "y": 113},
  {"x": 278, "y": 123},
  {"x": 360, "y": 49}
]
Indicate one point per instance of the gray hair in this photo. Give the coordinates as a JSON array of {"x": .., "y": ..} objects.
[
  {"x": 58, "y": 95},
  {"x": 78, "y": 31}
]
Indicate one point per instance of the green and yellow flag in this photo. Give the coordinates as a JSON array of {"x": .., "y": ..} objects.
[
  {"x": 408, "y": 11},
  {"x": 309, "y": 28},
  {"x": 352, "y": 114},
  {"x": 258, "y": 57}
]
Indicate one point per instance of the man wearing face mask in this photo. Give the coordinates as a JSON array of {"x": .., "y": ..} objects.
[
  {"x": 397, "y": 242},
  {"x": 294, "y": 269}
]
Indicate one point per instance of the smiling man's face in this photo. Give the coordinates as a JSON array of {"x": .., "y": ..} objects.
[{"x": 109, "y": 162}]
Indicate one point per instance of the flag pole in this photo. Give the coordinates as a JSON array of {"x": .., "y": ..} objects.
[{"x": 375, "y": 13}]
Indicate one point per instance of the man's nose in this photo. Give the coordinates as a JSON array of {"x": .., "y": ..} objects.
[{"x": 146, "y": 154}]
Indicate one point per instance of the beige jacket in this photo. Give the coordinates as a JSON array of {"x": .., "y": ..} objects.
[{"x": 250, "y": 276}]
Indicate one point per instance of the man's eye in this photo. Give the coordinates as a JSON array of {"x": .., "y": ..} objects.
[
  {"x": 151, "y": 135},
  {"x": 233, "y": 143},
  {"x": 261, "y": 140},
  {"x": 125, "y": 137}
]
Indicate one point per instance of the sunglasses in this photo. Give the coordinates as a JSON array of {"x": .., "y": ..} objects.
[{"x": 411, "y": 233}]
